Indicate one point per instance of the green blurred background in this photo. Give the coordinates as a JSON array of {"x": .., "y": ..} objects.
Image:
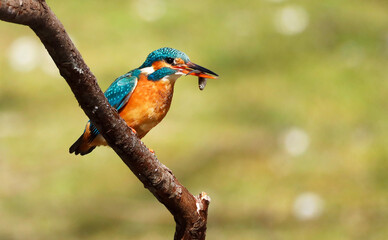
[{"x": 290, "y": 142}]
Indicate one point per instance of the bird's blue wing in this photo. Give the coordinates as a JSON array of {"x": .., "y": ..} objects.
[
  {"x": 118, "y": 95},
  {"x": 120, "y": 90}
]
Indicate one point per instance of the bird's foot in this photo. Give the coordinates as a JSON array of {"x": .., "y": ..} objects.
[
  {"x": 151, "y": 150},
  {"x": 133, "y": 130}
]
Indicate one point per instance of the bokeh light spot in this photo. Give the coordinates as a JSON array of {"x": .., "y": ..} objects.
[
  {"x": 291, "y": 20},
  {"x": 308, "y": 206},
  {"x": 150, "y": 10},
  {"x": 296, "y": 141},
  {"x": 23, "y": 54}
]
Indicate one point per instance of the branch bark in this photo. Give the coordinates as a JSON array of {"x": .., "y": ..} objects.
[{"x": 190, "y": 212}]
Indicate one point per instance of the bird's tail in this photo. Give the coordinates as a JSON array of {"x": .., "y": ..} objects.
[{"x": 81, "y": 146}]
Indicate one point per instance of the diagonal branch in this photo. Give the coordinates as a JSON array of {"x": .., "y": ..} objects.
[{"x": 190, "y": 212}]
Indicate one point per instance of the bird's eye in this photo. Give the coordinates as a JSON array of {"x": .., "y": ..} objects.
[{"x": 170, "y": 60}]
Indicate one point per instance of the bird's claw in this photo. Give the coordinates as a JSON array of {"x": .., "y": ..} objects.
[{"x": 133, "y": 130}]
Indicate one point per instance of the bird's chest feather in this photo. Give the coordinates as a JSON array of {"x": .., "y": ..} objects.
[{"x": 148, "y": 104}]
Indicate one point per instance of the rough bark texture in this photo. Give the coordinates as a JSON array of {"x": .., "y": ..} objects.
[{"x": 190, "y": 212}]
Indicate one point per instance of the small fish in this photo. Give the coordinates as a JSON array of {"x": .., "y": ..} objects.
[{"x": 202, "y": 83}]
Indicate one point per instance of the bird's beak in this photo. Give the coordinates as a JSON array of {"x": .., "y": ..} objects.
[{"x": 193, "y": 69}]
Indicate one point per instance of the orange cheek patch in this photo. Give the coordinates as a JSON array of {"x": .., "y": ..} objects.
[
  {"x": 159, "y": 64},
  {"x": 179, "y": 61}
]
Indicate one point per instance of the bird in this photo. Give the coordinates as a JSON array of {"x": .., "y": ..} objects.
[{"x": 143, "y": 95}]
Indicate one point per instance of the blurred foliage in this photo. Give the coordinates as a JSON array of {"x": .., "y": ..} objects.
[{"x": 330, "y": 81}]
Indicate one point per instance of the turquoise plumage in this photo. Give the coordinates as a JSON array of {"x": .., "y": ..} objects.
[{"x": 120, "y": 90}]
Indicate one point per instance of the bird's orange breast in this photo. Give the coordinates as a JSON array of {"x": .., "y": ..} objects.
[{"x": 148, "y": 104}]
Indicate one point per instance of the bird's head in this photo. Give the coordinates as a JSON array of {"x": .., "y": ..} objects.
[{"x": 169, "y": 63}]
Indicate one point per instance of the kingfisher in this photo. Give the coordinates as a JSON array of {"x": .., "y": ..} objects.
[{"x": 143, "y": 96}]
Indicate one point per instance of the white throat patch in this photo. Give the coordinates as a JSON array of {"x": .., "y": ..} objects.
[
  {"x": 147, "y": 70},
  {"x": 172, "y": 77}
]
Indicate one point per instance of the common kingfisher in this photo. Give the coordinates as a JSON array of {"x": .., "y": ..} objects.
[{"x": 143, "y": 96}]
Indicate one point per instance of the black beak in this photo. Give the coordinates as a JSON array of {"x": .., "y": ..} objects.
[{"x": 196, "y": 70}]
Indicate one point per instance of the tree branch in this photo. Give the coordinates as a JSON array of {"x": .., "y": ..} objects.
[{"x": 190, "y": 212}]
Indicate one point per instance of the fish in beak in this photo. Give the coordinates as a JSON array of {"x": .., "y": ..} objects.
[{"x": 202, "y": 73}]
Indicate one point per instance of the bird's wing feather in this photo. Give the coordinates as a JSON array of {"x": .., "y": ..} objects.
[
  {"x": 120, "y": 90},
  {"x": 118, "y": 95}
]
